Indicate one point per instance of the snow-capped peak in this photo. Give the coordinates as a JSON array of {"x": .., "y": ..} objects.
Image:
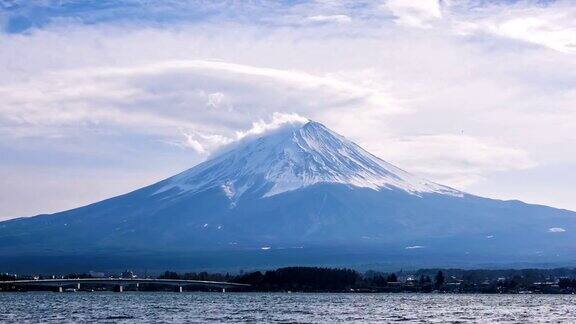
[{"x": 293, "y": 157}]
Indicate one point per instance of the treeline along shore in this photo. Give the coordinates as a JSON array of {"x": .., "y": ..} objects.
[{"x": 315, "y": 279}]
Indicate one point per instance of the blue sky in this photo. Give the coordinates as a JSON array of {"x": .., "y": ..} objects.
[{"x": 101, "y": 97}]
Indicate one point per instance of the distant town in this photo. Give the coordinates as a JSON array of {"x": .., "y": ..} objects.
[{"x": 315, "y": 279}]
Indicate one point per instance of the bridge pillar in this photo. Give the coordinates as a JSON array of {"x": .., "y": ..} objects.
[
  {"x": 137, "y": 286},
  {"x": 179, "y": 289},
  {"x": 120, "y": 288},
  {"x": 60, "y": 289},
  {"x": 78, "y": 286}
]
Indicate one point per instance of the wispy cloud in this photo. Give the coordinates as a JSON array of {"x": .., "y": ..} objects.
[
  {"x": 184, "y": 94},
  {"x": 421, "y": 13},
  {"x": 278, "y": 120},
  {"x": 551, "y": 24},
  {"x": 341, "y": 19}
]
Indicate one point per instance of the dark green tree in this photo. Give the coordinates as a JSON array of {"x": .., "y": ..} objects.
[
  {"x": 169, "y": 275},
  {"x": 439, "y": 279},
  {"x": 424, "y": 280}
]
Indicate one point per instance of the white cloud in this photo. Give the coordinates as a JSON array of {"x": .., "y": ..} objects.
[
  {"x": 415, "y": 13},
  {"x": 540, "y": 30},
  {"x": 551, "y": 24},
  {"x": 169, "y": 94},
  {"x": 341, "y": 19},
  {"x": 415, "y": 247},
  {"x": 556, "y": 230},
  {"x": 278, "y": 120},
  {"x": 454, "y": 159},
  {"x": 258, "y": 128},
  {"x": 194, "y": 144},
  {"x": 215, "y": 100}
]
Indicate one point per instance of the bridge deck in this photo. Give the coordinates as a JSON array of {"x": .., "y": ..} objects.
[{"x": 122, "y": 282}]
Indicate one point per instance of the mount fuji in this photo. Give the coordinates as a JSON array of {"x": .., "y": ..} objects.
[{"x": 297, "y": 195}]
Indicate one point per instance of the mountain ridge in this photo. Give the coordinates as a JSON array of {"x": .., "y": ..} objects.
[{"x": 299, "y": 194}]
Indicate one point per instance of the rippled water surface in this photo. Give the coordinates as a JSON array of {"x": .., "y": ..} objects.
[{"x": 143, "y": 307}]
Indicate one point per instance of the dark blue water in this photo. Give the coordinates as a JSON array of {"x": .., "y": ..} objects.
[{"x": 158, "y": 307}]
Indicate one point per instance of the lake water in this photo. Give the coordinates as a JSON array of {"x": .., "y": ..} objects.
[{"x": 155, "y": 307}]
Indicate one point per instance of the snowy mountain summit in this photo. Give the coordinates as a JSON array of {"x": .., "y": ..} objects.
[{"x": 293, "y": 157}]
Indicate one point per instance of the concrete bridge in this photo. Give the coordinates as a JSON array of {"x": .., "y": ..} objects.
[{"x": 120, "y": 283}]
